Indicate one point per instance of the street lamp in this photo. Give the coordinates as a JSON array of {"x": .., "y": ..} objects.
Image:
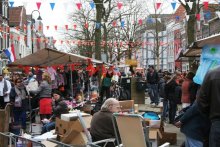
[{"x": 32, "y": 22}]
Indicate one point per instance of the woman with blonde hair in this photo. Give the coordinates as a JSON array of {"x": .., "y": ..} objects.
[{"x": 44, "y": 91}]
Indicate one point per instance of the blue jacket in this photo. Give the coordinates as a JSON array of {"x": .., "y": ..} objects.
[{"x": 194, "y": 124}]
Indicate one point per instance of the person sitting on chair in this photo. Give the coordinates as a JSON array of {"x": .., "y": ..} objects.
[
  {"x": 59, "y": 107},
  {"x": 101, "y": 123}
]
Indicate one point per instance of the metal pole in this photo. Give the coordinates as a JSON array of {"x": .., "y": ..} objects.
[{"x": 71, "y": 78}]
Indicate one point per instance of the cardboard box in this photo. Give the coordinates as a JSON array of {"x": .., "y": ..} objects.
[
  {"x": 168, "y": 137},
  {"x": 154, "y": 134}
]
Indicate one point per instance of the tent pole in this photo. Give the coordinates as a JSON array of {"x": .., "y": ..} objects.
[{"x": 71, "y": 78}]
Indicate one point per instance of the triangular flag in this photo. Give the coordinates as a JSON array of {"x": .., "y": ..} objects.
[
  {"x": 39, "y": 28},
  {"x": 149, "y": 20},
  {"x": 207, "y": 15},
  {"x": 206, "y": 5},
  {"x": 158, "y": 5},
  {"x": 66, "y": 26},
  {"x": 86, "y": 25},
  {"x": 55, "y": 27},
  {"x": 54, "y": 41},
  {"x": 98, "y": 25},
  {"x": 159, "y": 19},
  {"x": 119, "y": 5},
  {"x": 190, "y": 4},
  {"x": 198, "y": 17},
  {"x": 122, "y": 24},
  {"x": 114, "y": 23},
  {"x": 61, "y": 41},
  {"x": 187, "y": 17},
  {"x": 48, "y": 27},
  {"x": 52, "y": 5},
  {"x": 11, "y": 3},
  {"x": 74, "y": 26},
  {"x": 79, "y": 5},
  {"x": 140, "y": 21},
  {"x": 218, "y": 13},
  {"x": 92, "y": 5},
  {"x": 38, "y": 5},
  {"x": 177, "y": 18},
  {"x": 173, "y": 5}
]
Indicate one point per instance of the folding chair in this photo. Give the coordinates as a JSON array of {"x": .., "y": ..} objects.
[
  {"x": 88, "y": 135},
  {"x": 133, "y": 132}
]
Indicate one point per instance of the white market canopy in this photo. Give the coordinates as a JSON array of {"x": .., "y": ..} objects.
[{"x": 49, "y": 57}]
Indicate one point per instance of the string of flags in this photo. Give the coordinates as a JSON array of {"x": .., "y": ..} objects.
[{"x": 119, "y": 5}]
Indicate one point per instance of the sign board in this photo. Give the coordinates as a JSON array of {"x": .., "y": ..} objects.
[{"x": 132, "y": 62}]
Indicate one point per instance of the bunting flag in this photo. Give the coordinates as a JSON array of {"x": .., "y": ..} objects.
[
  {"x": 187, "y": 17},
  {"x": 173, "y": 4},
  {"x": 52, "y": 6},
  {"x": 74, "y": 26},
  {"x": 114, "y": 23},
  {"x": 11, "y": 3},
  {"x": 92, "y": 5},
  {"x": 86, "y": 25},
  {"x": 39, "y": 27},
  {"x": 98, "y": 25},
  {"x": 55, "y": 27},
  {"x": 218, "y": 13},
  {"x": 140, "y": 22},
  {"x": 190, "y": 4},
  {"x": 48, "y": 27},
  {"x": 61, "y": 41},
  {"x": 119, "y": 5},
  {"x": 149, "y": 20},
  {"x": 122, "y": 24},
  {"x": 54, "y": 41},
  {"x": 38, "y": 5},
  {"x": 177, "y": 18},
  {"x": 158, "y": 5},
  {"x": 198, "y": 17},
  {"x": 79, "y": 5},
  {"x": 66, "y": 26},
  {"x": 206, "y": 5},
  {"x": 207, "y": 15}
]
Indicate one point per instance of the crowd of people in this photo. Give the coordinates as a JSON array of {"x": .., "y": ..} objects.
[{"x": 191, "y": 107}]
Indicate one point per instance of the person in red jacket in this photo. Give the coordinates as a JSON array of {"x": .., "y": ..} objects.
[{"x": 185, "y": 98}]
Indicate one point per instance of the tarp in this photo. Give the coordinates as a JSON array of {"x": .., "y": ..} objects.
[
  {"x": 49, "y": 57},
  {"x": 209, "y": 60}
]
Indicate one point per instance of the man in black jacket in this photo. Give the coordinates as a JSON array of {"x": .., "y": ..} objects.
[
  {"x": 152, "y": 80},
  {"x": 209, "y": 104}
]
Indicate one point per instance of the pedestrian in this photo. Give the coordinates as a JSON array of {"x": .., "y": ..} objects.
[
  {"x": 5, "y": 89},
  {"x": 186, "y": 89},
  {"x": 105, "y": 87},
  {"x": 209, "y": 104},
  {"x": 152, "y": 80},
  {"x": 44, "y": 91},
  {"x": 170, "y": 95},
  {"x": 194, "y": 126},
  {"x": 19, "y": 99}
]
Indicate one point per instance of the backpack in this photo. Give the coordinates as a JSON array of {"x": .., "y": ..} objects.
[{"x": 106, "y": 82}]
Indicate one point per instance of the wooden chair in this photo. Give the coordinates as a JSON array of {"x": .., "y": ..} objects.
[{"x": 132, "y": 131}]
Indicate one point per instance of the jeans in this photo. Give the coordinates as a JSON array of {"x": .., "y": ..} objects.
[
  {"x": 214, "y": 136},
  {"x": 172, "y": 110},
  {"x": 20, "y": 116},
  {"x": 165, "y": 108},
  {"x": 153, "y": 93},
  {"x": 192, "y": 142},
  {"x": 48, "y": 127}
]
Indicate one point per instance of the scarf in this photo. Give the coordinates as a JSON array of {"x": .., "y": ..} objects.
[{"x": 20, "y": 91}]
